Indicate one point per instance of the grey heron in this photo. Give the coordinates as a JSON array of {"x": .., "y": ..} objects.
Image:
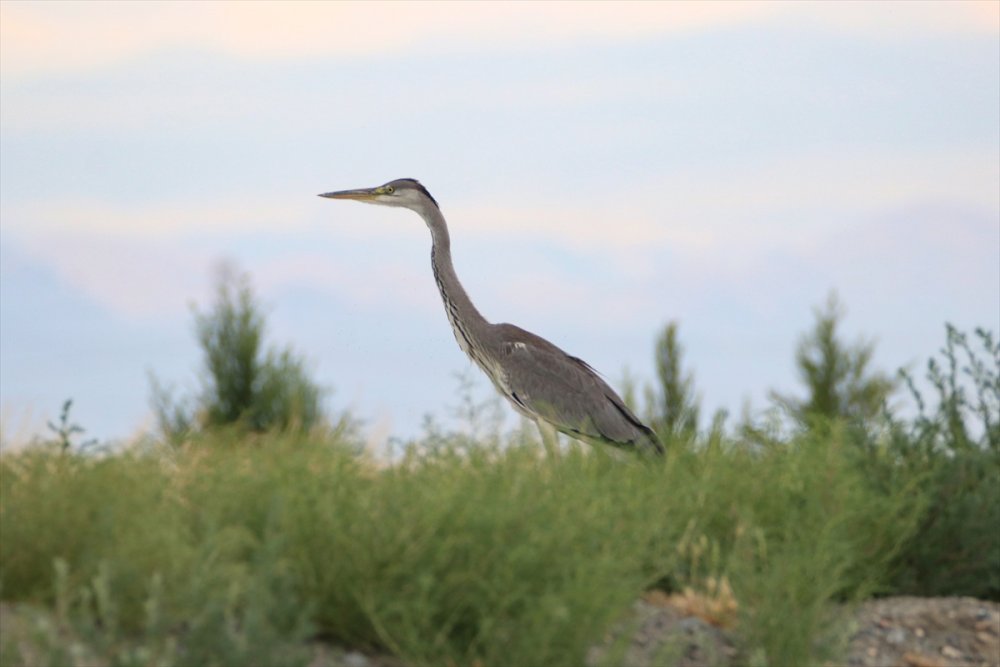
[{"x": 556, "y": 390}]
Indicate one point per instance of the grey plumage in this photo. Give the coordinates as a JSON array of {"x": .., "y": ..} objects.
[{"x": 541, "y": 381}]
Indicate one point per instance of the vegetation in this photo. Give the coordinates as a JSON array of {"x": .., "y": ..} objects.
[
  {"x": 242, "y": 384},
  {"x": 673, "y": 410},
  {"x": 244, "y": 541},
  {"x": 65, "y": 430},
  {"x": 229, "y": 547},
  {"x": 837, "y": 376},
  {"x": 954, "y": 446}
]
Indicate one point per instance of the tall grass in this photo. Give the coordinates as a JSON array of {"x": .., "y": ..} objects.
[{"x": 234, "y": 547}]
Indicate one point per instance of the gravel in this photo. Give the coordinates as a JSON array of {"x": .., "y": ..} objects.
[
  {"x": 926, "y": 632},
  {"x": 889, "y": 632}
]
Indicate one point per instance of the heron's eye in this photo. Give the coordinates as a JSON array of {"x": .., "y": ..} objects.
[{"x": 389, "y": 189}]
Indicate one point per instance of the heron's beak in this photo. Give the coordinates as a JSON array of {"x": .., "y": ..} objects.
[{"x": 364, "y": 194}]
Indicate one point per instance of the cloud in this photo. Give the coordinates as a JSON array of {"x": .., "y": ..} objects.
[
  {"x": 132, "y": 278},
  {"x": 59, "y": 36},
  {"x": 147, "y": 262},
  {"x": 881, "y": 19},
  {"x": 937, "y": 250},
  {"x": 69, "y": 35},
  {"x": 358, "y": 282},
  {"x": 744, "y": 206},
  {"x": 149, "y": 220},
  {"x": 710, "y": 223}
]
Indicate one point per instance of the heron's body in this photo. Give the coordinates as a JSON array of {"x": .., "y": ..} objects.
[{"x": 541, "y": 381}]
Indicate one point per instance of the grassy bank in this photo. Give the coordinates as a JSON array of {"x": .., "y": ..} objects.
[{"x": 233, "y": 548}]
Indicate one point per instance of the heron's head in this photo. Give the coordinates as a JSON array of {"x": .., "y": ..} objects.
[{"x": 405, "y": 192}]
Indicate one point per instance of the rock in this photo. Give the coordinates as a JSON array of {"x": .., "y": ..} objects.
[
  {"x": 896, "y": 636},
  {"x": 951, "y": 652},
  {"x": 890, "y": 632},
  {"x": 655, "y": 635},
  {"x": 918, "y": 660},
  {"x": 925, "y": 632},
  {"x": 355, "y": 659}
]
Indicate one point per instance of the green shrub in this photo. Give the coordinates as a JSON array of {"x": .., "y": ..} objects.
[
  {"x": 837, "y": 375},
  {"x": 674, "y": 407},
  {"x": 243, "y": 384},
  {"x": 238, "y": 545},
  {"x": 953, "y": 445}
]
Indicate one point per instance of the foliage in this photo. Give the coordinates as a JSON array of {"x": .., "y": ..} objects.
[
  {"x": 65, "y": 430},
  {"x": 243, "y": 384},
  {"x": 836, "y": 375},
  {"x": 673, "y": 408},
  {"x": 480, "y": 548},
  {"x": 237, "y": 544},
  {"x": 953, "y": 424},
  {"x": 954, "y": 444}
]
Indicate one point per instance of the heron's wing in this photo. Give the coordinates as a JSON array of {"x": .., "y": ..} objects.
[{"x": 566, "y": 392}]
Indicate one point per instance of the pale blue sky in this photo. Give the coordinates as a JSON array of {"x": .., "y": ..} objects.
[{"x": 605, "y": 168}]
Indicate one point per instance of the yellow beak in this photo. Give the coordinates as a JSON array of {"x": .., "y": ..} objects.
[{"x": 363, "y": 194}]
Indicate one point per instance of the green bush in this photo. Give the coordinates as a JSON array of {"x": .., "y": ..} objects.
[
  {"x": 243, "y": 384},
  {"x": 953, "y": 445},
  {"x": 837, "y": 375},
  {"x": 238, "y": 545},
  {"x": 673, "y": 408}
]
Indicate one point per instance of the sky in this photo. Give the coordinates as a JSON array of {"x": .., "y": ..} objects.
[{"x": 605, "y": 168}]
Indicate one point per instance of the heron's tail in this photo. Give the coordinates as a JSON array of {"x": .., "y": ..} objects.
[{"x": 649, "y": 442}]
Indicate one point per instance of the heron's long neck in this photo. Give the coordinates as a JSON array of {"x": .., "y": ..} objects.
[{"x": 465, "y": 319}]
